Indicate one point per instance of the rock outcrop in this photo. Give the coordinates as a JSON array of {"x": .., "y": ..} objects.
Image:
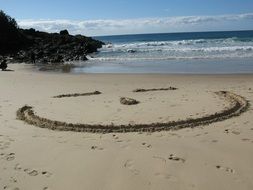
[
  {"x": 29, "y": 45},
  {"x": 56, "y": 47}
]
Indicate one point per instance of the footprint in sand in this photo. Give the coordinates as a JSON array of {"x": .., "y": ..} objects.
[
  {"x": 175, "y": 158},
  {"x": 175, "y": 134},
  {"x": 10, "y": 188},
  {"x": 234, "y": 132},
  {"x": 125, "y": 146},
  {"x": 226, "y": 131},
  {"x": 10, "y": 157},
  {"x": 227, "y": 169},
  {"x": 246, "y": 140},
  {"x": 117, "y": 140},
  {"x": 165, "y": 176},
  {"x": 13, "y": 180},
  {"x": 96, "y": 148},
  {"x": 18, "y": 167},
  {"x": 135, "y": 172},
  {"x": 129, "y": 164},
  {"x": 147, "y": 145},
  {"x": 4, "y": 146},
  {"x": 31, "y": 172},
  {"x": 46, "y": 173},
  {"x": 115, "y": 136}
]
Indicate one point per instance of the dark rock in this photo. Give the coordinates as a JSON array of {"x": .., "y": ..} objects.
[
  {"x": 57, "y": 59},
  {"x": 128, "y": 101},
  {"x": 83, "y": 58},
  {"x": 131, "y": 51},
  {"x": 31, "y": 31},
  {"x": 3, "y": 65},
  {"x": 64, "y": 32}
]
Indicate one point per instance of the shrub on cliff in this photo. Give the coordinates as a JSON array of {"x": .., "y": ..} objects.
[
  {"x": 7, "y": 23},
  {"x": 11, "y": 39}
]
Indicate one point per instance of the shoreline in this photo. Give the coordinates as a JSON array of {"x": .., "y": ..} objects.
[
  {"x": 34, "y": 68},
  {"x": 183, "y": 67}
]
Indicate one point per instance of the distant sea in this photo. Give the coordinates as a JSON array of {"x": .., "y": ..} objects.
[{"x": 197, "y": 52}]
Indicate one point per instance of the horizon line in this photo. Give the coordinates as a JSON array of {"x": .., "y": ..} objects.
[{"x": 205, "y": 31}]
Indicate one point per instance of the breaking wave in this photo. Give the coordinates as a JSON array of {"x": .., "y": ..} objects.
[{"x": 180, "y": 49}]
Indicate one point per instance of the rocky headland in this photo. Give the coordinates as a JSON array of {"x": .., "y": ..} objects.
[{"x": 29, "y": 45}]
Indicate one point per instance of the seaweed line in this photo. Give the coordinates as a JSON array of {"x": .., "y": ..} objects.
[
  {"x": 154, "y": 89},
  {"x": 77, "y": 94}
]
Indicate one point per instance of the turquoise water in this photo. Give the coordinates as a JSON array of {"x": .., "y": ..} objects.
[{"x": 202, "y": 52}]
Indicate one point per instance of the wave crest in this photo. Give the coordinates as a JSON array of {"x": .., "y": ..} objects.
[{"x": 180, "y": 49}]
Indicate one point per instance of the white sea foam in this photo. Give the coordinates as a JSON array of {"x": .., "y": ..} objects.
[
  {"x": 181, "y": 49},
  {"x": 167, "y": 58}
]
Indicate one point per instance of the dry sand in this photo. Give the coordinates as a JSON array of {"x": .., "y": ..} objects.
[{"x": 215, "y": 156}]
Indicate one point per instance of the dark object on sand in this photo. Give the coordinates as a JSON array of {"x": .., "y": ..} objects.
[
  {"x": 33, "y": 57},
  {"x": 128, "y": 101},
  {"x": 3, "y": 65}
]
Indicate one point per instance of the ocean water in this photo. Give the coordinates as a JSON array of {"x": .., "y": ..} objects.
[{"x": 201, "y": 52}]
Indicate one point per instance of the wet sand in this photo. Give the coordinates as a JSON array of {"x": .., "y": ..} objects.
[{"x": 214, "y": 156}]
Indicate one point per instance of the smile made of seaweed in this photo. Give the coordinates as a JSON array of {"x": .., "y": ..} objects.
[{"x": 237, "y": 105}]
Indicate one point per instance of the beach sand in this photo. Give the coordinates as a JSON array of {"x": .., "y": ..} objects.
[{"x": 214, "y": 156}]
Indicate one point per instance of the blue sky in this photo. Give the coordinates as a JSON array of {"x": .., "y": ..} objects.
[{"x": 102, "y": 17}]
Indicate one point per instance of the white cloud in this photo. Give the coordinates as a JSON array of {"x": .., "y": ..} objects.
[{"x": 144, "y": 25}]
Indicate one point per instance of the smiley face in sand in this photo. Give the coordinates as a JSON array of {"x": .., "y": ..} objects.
[{"x": 235, "y": 105}]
